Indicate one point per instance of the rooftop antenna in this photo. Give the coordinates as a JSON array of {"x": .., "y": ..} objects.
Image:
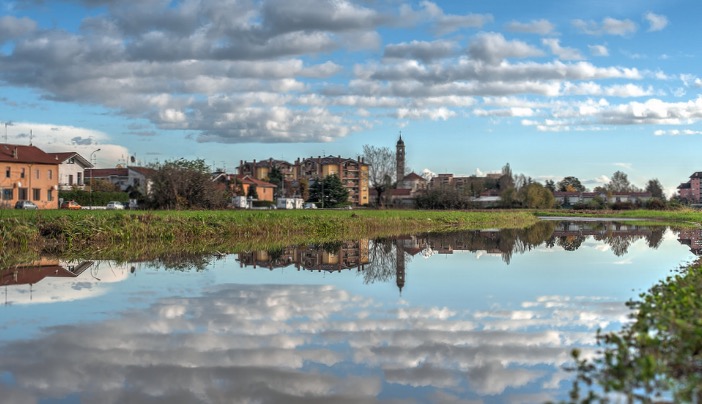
[
  {"x": 30, "y": 137},
  {"x": 8, "y": 123}
]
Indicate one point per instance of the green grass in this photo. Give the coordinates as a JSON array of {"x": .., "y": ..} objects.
[{"x": 70, "y": 232}]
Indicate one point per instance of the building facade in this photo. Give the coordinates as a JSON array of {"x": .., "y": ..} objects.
[
  {"x": 353, "y": 173},
  {"x": 691, "y": 191},
  {"x": 28, "y": 173},
  {"x": 71, "y": 171}
]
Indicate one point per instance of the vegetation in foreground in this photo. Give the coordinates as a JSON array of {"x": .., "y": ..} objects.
[
  {"x": 655, "y": 358},
  {"x": 64, "y": 232}
]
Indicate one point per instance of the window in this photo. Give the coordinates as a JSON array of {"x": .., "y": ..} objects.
[
  {"x": 80, "y": 178},
  {"x": 70, "y": 179},
  {"x": 36, "y": 194},
  {"x": 51, "y": 174},
  {"x": 50, "y": 195},
  {"x": 36, "y": 173},
  {"x": 7, "y": 172},
  {"x": 8, "y": 194},
  {"x": 22, "y": 194},
  {"x": 22, "y": 173}
]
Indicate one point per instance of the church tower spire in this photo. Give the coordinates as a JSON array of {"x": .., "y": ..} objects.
[{"x": 400, "y": 160}]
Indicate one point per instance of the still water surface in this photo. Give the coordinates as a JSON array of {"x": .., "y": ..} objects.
[{"x": 486, "y": 316}]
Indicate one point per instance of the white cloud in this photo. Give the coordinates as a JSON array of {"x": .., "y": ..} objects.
[
  {"x": 598, "y": 50},
  {"x": 540, "y": 27},
  {"x": 562, "y": 53},
  {"x": 493, "y": 48},
  {"x": 656, "y": 22},
  {"x": 677, "y": 132},
  {"x": 608, "y": 26},
  {"x": 58, "y": 138}
]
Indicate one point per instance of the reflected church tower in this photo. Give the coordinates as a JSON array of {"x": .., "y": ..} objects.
[{"x": 399, "y": 265}]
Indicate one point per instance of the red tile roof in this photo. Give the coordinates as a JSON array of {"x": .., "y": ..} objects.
[
  {"x": 413, "y": 177},
  {"x": 25, "y": 154},
  {"x": 245, "y": 179}
]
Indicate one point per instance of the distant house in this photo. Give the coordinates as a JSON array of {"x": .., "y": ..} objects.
[
  {"x": 583, "y": 198},
  {"x": 71, "y": 170},
  {"x": 691, "y": 191},
  {"x": 28, "y": 173},
  {"x": 131, "y": 178},
  {"x": 118, "y": 176},
  {"x": 264, "y": 190},
  {"x": 139, "y": 179}
]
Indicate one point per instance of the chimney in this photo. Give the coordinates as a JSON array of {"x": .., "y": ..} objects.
[{"x": 14, "y": 153}]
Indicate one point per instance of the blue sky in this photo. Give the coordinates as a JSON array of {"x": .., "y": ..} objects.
[{"x": 576, "y": 88}]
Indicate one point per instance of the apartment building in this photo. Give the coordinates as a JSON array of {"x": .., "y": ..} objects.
[{"x": 28, "y": 173}]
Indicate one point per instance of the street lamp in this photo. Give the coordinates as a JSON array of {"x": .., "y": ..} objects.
[{"x": 92, "y": 175}]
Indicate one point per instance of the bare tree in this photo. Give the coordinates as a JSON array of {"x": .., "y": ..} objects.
[{"x": 382, "y": 169}]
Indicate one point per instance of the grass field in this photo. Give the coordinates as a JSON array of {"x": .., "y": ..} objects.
[{"x": 71, "y": 232}]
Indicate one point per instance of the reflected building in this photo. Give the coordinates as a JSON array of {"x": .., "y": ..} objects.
[
  {"x": 691, "y": 238},
  {"x": 36, "y": 271},
  {"x": 332, "y": 257}
]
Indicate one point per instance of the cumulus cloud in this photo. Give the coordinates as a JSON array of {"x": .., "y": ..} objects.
[
  {"x": 447, "y": 23},
  {"x": 422, "y": 50},
  {"x": 493, "y": 48},
  {"x": 598, "y": 50},
  {"x": 57, "y": 138},
  {"x": 608, "y": 26},
  {"x": 540, "y": 27},
  {"x": 232, "y": 72},
  {"x": 656, "y": 22},
  {"x": 562, "y": 53}
]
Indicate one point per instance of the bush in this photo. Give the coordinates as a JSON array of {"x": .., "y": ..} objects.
[
  {"x": 655, "y": 204},
  {"x": 97, "y": 198},
  {"x": 623, "y": 206}
]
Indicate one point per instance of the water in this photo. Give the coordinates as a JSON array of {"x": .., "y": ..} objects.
[{"x": 464, "y": 317}]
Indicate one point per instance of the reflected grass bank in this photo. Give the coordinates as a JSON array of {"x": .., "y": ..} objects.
[{"x": 122, "y": 235}]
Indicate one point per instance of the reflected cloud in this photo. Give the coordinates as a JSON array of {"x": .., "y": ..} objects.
[{"x": 297, "y": 343}]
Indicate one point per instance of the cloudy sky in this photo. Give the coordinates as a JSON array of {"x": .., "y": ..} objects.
[{"x": 555, "y": 88}]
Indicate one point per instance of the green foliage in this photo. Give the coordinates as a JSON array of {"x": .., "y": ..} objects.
[
  {"x": 186, "y": 184},
  {"x": 536, "y": 196},
  {"x": 571, "y": 184},
  {"x": 655, "y": 188},
  {"x": 659, "y": 352},
  {"x": 330, "y": 192},
  {"x": 98, "y": 198}
]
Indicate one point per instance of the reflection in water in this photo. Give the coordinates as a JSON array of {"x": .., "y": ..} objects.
[{"x": 484, "y": 335}]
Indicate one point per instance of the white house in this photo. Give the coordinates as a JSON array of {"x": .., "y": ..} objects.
[{"x": 71, "y": 168}]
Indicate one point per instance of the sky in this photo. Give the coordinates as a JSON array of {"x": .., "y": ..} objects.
[{"x": 554, "y": 88}]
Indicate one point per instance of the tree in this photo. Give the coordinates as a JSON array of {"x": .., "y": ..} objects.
[
  {"x": 303, "y": 187},
  {"x": 381, "y": 170},
  {"x": 550, "y": 185},
  {"x": 252, "y": 192},
  {"x": 536, "y": 196},
  {"x": 329, "y": 191},
  {"x": 655, "y": 188},
  {"x": 275, "y": 177},
  {"x": 571, "y": 184},
  {"x": 101, "y": 185},
  {"x": 186, "y": 184},
  {"x": 506, "y": 181},
  {"x": 620, "y": 183}
]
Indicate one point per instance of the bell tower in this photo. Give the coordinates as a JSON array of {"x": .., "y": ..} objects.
[{"x": 400, "y": 160}]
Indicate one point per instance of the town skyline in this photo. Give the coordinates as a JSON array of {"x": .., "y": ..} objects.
[{"x": 555, "y": 90}]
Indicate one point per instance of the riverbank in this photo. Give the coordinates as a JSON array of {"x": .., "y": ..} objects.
[{"x": 63, "y": 232}]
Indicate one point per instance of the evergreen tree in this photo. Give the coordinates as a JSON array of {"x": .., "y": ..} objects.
[{"x": 329, "y": 192}]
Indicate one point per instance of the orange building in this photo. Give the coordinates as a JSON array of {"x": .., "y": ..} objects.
[
  {"x": 264, "y": 190},
  {"x": 28, "y": 174}
]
